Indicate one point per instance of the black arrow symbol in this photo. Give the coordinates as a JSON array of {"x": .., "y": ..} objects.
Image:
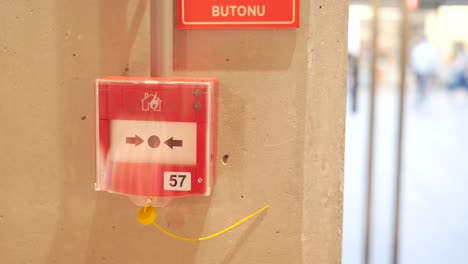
[
  {"x": 134, "y": 140},
  {"x": 173, "y": 143}
]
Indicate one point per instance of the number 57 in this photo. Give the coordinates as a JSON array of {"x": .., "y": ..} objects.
[{"x": 174, "y": 180}]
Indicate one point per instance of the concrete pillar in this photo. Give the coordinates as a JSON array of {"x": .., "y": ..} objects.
[{"x": 282, "y": 117}]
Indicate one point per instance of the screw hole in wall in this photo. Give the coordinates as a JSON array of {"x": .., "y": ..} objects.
[{"x": 225, "y": 159}]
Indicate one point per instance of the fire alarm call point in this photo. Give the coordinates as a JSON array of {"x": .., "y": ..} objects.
[{"x": 156, "y": 136}]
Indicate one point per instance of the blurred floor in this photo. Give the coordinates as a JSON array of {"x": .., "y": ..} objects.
[{"x": 435, "y": 180}]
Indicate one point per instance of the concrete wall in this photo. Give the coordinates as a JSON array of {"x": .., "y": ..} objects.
[{"x": 282, "y": 117}]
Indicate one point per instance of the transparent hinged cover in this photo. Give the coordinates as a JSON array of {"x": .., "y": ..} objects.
[{"x": 155, "y": 137}]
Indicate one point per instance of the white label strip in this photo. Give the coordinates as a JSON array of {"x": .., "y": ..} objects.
[{"x": 153, "y": 142}]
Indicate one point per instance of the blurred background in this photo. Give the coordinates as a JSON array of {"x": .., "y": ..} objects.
[{"x": 434, "y": 186}]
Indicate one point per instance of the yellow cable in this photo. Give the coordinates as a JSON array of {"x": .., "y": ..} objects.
[
  {"x": 240, "y": 222},
  {"x": 148, "y": 203}
]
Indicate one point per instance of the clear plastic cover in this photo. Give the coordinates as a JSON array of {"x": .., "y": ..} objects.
[{"x": 155, "y": 137}]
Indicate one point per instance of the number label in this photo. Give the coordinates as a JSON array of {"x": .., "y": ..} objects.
[{"x": 177, "y": 181}]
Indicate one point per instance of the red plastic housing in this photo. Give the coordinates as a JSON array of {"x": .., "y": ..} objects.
[{"x": 156, "y": 136}]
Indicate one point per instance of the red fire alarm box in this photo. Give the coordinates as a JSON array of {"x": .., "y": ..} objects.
[{"x": 155, "y": 136}]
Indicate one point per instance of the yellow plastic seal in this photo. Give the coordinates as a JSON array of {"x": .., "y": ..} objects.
[{"x": 147, "y": 215}]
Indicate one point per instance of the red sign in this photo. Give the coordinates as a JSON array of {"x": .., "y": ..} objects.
[
  {"x": 156, "y": 137},
  {"x": 413, "y": 5},
  {"x": 238, "y": 13}
]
